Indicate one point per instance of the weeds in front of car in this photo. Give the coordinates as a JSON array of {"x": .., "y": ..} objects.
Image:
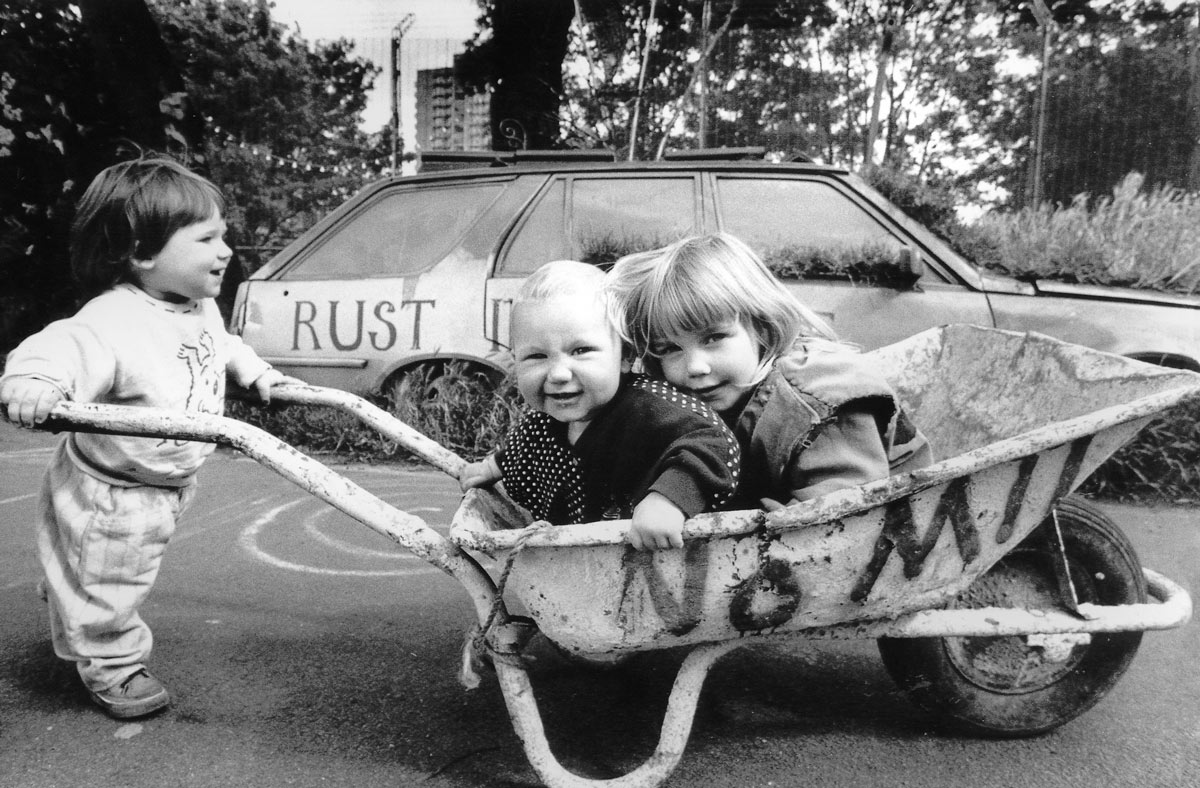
[
  {"x": 1162, "y": 464},
  {"x": 452, "y": 404},
  {"x": 460, "y": 409}
]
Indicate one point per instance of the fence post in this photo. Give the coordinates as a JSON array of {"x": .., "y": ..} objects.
[
  {"x": 1193, "y": 105},
  {"x": 1046, "y": 23}
]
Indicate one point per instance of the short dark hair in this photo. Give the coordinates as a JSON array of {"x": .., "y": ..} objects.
[{"x": 130, "y": 211}]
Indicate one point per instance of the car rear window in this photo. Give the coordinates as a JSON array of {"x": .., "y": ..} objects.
[{"x": 399, "y": 234}]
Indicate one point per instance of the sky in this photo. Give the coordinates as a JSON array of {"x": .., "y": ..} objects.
[{"x": 436, "y": 32}]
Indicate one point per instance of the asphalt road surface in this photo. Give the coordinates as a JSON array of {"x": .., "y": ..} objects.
[{"x": 303, "y": 649}]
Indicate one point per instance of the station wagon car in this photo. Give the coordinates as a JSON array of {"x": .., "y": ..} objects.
[{"x": 421, "y": 270}]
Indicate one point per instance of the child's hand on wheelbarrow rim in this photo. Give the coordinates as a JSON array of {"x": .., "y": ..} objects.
[
  {"x": 657, "y": 524},
  {"x": 479, "y": 474}
]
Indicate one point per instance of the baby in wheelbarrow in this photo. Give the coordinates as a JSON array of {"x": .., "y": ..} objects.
[
  {"x": 808, "y": 414},
  {"x": 599, "y": 442}
]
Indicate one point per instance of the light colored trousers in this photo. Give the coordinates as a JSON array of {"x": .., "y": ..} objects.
[{"x": 100, "y": 546}]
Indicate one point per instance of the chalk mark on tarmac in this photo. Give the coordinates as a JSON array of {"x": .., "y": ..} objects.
[{"x": 249, "y": 541}]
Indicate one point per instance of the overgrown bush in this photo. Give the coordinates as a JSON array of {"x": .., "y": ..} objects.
[
  {"x": 450, "y": 405},
  {"x": 1161, "y": 464},
  {"x": 1133, "y": 238},
  {"x": 457, "y": 408}
]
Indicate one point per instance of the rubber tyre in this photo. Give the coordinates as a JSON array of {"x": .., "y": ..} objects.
[{"x": 1006, "y": 687}]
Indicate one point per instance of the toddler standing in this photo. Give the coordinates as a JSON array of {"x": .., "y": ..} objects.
[
  {"x": 600, "y": 444},
  {"x": 147, "y": 243},
  {"x": 811, "y": 414}
]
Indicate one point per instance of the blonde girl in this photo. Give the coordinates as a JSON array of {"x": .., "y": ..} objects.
[{"x": 810, "y": 413}]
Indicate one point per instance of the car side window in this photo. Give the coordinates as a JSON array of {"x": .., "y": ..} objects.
[
  {"x": 612, "y": 217},
  {"x": 542, "y": 237},
  {"x": 806, "y": 228},
  {"x": 400, "y": 234},
  {"x": 597, "y": 220}
]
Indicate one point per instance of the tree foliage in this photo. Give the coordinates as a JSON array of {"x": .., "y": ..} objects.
[
  {"x": 283, "y": 116},
  {"x": 945, "y": 91},
  {"x": 518, "y": 61},
  {"x": 281, "y": 128},
  {"x": 52, "y": 127}
]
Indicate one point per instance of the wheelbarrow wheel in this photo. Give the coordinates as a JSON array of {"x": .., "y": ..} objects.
[{"x": 1026, "y": 685}]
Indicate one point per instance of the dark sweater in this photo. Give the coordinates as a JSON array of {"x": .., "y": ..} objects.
[{"x": 649, "y": 438}]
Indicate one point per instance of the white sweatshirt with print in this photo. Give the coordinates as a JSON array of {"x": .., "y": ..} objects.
[{"x": 127, "y": 348}]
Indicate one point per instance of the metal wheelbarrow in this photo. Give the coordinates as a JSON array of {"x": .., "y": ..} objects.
[{"x": 998, "y": 600}]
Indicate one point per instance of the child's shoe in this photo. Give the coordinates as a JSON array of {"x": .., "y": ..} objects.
[{"x": 138, "y": 695}]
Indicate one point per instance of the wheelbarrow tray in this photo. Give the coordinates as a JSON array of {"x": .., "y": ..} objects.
[{"x": 1022, "y": 419}]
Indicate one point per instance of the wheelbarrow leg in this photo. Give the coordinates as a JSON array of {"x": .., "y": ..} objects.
[{"x": 677, "y": 723}]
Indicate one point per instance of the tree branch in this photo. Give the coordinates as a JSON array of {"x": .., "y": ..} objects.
[
  {"x": 702, "y": 63},
  {"x": 637, "y": 101}
]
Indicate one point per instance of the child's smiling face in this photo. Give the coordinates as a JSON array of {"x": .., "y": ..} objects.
[
  {"x": 568, "y": 357},
  {"x": 190, "y": 266},
  {"x": 717, "y": 364}
]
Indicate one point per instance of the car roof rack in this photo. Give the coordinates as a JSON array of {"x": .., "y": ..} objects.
[
  {"x": 748, "y": 153},
  {"x": 458, "y": 159},
  {"x": 716, "y": 154}
]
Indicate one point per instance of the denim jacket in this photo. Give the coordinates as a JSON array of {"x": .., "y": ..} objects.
[{"x": 822, "y": 420}]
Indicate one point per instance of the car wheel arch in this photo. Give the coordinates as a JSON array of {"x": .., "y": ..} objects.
[{"x": 396, "y": 372}]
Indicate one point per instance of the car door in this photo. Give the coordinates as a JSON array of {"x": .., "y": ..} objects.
[
  {"x": 594, "y": 219},
  {"x": 795, "y": 220}
]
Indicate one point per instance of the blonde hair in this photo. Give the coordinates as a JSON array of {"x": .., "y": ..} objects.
[
  {"x": 705, "y": 281},
  {"x": 566, "y": 278}
]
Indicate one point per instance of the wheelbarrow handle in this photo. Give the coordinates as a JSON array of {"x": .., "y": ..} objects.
[
  {"x": 407, "y": 530},
  {"x": 378, "y": 419}
]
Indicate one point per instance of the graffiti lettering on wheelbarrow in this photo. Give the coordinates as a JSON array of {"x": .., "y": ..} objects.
[
  {"x": 764, "y": 600},
  {"x": 767, "y": 599},
  {"x": 899, "y": 532},
  {"x": 770, "y": 596},
  {"x": 680, "y": 613}
]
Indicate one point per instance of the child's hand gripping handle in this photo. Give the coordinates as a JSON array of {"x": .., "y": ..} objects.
[{"x": 28, "y": 401}]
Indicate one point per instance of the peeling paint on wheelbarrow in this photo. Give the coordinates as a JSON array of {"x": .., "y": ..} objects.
[{"x": 1022, "y": 420}]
